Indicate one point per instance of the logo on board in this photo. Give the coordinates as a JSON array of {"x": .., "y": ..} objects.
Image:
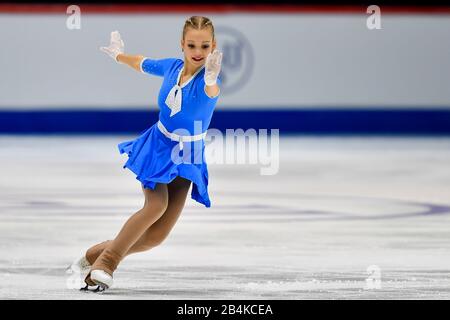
[{"x": 237, "y": 61}]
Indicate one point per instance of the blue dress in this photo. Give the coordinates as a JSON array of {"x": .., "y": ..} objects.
[{"x": 150, "y": 154}]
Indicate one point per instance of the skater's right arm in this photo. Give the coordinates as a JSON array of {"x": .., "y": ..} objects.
[
  {"x": 138, "y": 62},
  {"x": 134, "y": 61}
]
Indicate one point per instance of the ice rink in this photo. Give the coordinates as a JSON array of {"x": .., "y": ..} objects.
[{"x": 338, "y": 208}]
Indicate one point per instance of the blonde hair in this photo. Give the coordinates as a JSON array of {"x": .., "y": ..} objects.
[{"x": 198, "y": 23}]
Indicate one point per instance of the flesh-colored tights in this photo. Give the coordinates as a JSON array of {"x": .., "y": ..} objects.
[{"x": 145, "y": 229}]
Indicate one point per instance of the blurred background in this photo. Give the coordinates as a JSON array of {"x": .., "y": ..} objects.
[
  {"x": 358, "y": 209},
  {"x": 300, "y": 68}
]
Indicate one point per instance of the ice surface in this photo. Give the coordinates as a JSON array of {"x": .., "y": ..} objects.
[{"x": 337, "y": 206}]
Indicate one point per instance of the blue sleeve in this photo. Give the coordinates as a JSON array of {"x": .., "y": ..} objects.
[{"x": 156, "y": 67}]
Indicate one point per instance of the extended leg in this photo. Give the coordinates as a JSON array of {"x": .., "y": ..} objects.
[
  {"x": 178, "y": 190},
  {"x": 133, "y": 229}
]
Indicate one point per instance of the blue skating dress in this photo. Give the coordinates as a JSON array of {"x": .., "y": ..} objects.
[{"x": 159, "y": 154}]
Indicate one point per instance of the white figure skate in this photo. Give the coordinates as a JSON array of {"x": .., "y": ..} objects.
[
  {"x": 81, "y": 266},
  {"x": 102, "y": 279},
  {"x": 78, "y": 270}
]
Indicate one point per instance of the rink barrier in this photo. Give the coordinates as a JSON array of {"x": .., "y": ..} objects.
[
  {"x": 116, "y": 8},
  {"x": 298, "y": 120}
]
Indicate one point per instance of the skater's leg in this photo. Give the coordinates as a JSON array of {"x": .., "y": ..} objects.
[
  {"x": 156, "y": 205},
  {"x": 94, "y": 252},
  {"x": 178, "y": 190}
]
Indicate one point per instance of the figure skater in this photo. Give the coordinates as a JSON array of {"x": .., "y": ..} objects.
[{"x": 189, "y": 93}]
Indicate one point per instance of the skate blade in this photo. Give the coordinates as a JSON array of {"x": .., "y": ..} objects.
[
  {"x": 95, "y": 289},
  {"x": 101, "y": 284}
]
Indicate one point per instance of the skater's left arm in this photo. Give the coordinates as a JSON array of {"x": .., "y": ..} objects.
[
  {"x": 212, "y": 91},
  {"x": 212, "y": 70}
]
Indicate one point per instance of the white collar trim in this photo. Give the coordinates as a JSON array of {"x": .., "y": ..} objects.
[
  {"x": 174, "y": 98},
  {"x": 192, "y": 77}
]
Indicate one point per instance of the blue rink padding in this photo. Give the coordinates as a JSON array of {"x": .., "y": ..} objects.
[{"x": 288, "y": 121}]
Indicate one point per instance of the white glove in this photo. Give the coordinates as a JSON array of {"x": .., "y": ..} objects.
[
  {"x": 212, "y": 67},
  {"x": 115, "y": 47}
]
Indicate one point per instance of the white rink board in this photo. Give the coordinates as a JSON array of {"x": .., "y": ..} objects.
[{"x": 289, "y": 60}]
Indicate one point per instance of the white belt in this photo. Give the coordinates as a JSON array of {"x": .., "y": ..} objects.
[{"x": 180, "y": 139}]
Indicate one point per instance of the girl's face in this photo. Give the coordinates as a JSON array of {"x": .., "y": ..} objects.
[{"x": 197, "y": 44}]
